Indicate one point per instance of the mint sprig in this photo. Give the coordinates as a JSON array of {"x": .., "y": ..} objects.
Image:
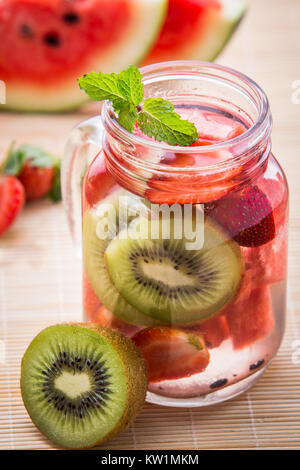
[{"x": 156, "y": 117}]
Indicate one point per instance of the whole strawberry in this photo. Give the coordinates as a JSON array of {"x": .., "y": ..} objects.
[
  {"x": 12, "y": 198},
  {"x": 36, "y": 180},
  {"x": 247, "y": 216},
  {"x": 38, "y": 171}
]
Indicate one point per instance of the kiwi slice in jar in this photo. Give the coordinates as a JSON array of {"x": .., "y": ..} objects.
[
  {"x": 82, "y": 384},
  {"x": 100, "y": 225},
  {"x": 168, "y": 282}
]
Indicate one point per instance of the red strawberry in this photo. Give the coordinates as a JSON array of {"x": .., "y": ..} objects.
[
  {"x": 36, "y": 180},
  {"x": 247, "y": 216},
  {"x": 12, "y": 198},
  {"x": 172, "y": 353}
]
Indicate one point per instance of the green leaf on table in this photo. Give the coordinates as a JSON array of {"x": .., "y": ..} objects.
[
  {"x": 13, "y": 162},
  {"x": 159, "y": 120},
  {"x": 55, "y": 191},
  {"x": 36, "y": 156}
]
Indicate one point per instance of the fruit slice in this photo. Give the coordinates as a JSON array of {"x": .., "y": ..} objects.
[
  {"x": 268, "y": 263},
  {"x": 82, "y": 384},
  {"x": 171, "y": 353},
  {"x": 12, "y": 198},
  {"x": 46, "y": 45},
  {"x": 247, "y": 216},
  {"x": 98, "y": 313},
  {"x": 196, "y": 29},
  {"x": 192, "y": 186},
  {"x": 98, "y": 182},
  {"x": 157, "y": 273},
  {"x": 98, "y": 231},
  {"x": 214, "y": 331},
  {"x": 250, "y": 319}
]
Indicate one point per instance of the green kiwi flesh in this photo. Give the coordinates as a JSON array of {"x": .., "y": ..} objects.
[
  {"x": 82, "y": 384},
  {"x": 170, "y": 283},
  {"x": 98, "y": 230}
]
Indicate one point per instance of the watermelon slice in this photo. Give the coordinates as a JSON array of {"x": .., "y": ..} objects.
[
  {"x": 196, "y": 29},
  {"x": 215, "y": 331},
  {"x": 250, "y": 319},
  {"x": 46, "y": 44}
]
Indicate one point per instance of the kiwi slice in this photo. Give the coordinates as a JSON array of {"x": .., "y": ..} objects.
[
  {"x": 167, "y": 281},
  {"x": 82, "y": 384},
  {"x": 98, "y": 231}
]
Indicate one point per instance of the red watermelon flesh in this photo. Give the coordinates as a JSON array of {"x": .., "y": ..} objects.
[
  {"x": 251, "y": 319},
  {"x": 215, "y": 331},
  {"x": 196, "y": 29},
  {"x": 48, "y": 33},
  {"x": 45, "y": 45}
]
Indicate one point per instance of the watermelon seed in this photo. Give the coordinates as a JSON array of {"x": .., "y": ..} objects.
[
  {"x": 257, "y": 364},
  {"x": 218, "y": 383},
  {"x": 52, "y": 39},
  {"x": 71, "y": 18},
  {"x": 26, "y": 31}
]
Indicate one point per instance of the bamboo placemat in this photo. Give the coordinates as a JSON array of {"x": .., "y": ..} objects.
[{"x": 40, "y": 275}]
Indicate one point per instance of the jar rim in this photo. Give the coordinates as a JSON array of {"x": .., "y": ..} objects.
[{"x": 258, "y": 130}]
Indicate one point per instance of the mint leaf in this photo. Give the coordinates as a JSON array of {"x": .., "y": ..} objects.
[
  {"x": 127, "y": 116},
  {"x": 131, "y": 86},
  {"x": 159, "y": 120},
  {"x": 103, "y": 86}
]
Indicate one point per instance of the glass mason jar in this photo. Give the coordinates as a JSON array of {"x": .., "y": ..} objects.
[{"x": 204, "y": 299}]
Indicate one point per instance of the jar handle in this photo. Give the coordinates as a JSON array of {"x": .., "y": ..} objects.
[{"x": 83, "y": 144}]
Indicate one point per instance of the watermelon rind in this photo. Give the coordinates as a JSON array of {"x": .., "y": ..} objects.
[
  {"x": 206, "y": 41},
  {"x": 66, "y": 95},
  {"x": 232, "y": 14}
]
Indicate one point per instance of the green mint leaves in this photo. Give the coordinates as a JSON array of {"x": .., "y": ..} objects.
[
  {"x": 159, "y": 120},
  {"x": 156, "y": 117}
]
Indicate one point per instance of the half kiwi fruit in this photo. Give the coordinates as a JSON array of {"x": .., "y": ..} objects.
[
  {"x": 82, "y": 384},
  {"x": 168, "y": 282},
  {"x": 100, "y": 226}
]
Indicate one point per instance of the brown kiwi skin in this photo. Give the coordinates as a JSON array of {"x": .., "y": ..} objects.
[{"x": 135, "y": 371}]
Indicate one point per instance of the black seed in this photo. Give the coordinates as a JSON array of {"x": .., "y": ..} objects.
[
  {"x": 71, "y": 17},
  {"x": 52, "y": 39},
  {"x": 26, "y": 31},
  {"x": 256, "y": 365},
  {"x": 218, "y": 383}
]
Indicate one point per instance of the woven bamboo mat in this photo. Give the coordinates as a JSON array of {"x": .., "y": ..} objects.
[{"x": 40, "y": 275}]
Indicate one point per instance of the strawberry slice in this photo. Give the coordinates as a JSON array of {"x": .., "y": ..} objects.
[
  {"x": 12, "y": 198},
  {"x": 172, "y": 353},
  {"x": 247, "y": 216},
  {"x": 36, "y": 180}
]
